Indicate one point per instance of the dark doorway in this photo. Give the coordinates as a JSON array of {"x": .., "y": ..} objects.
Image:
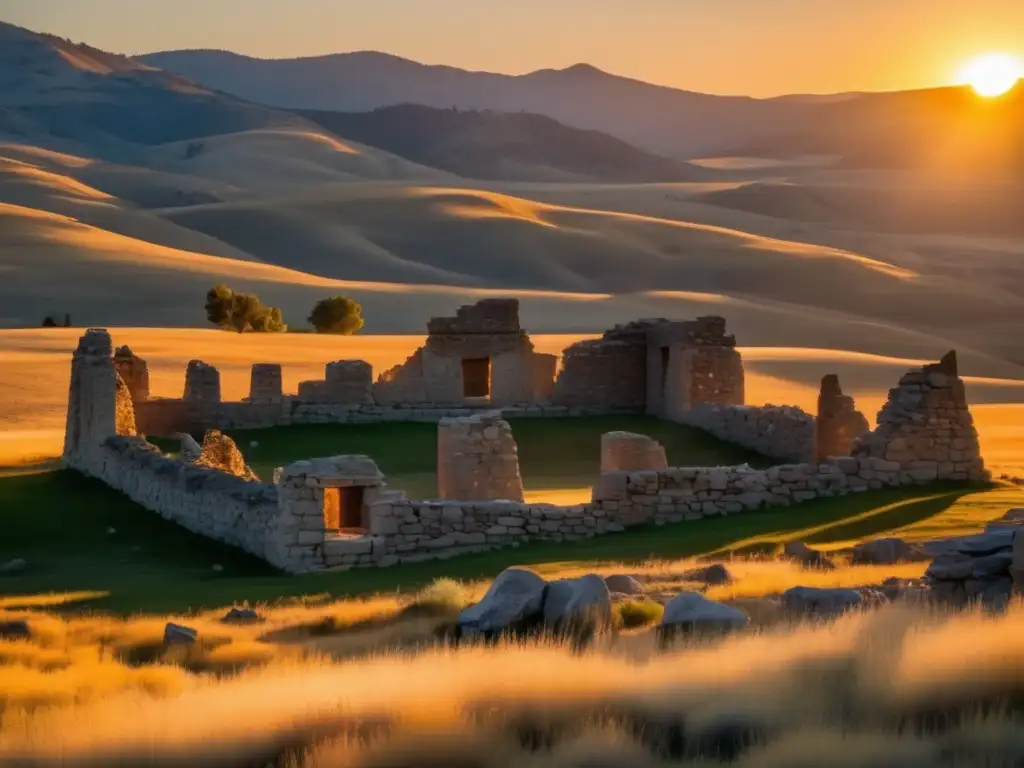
[
  {"x": 476, "y": 377},
  {"x": 664, "y": 369},
  {"x": 343, "y": 508}
]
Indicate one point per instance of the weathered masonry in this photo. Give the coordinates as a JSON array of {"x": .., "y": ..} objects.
[{"x": 338, "y": 512}]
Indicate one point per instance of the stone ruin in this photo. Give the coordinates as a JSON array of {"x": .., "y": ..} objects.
[
  {"x": 628, "y": 451},
  {"x": 925, "y": 428},
  {"x": 839, "y": 423},
  {"x": 338, "y": 512},
  {"x": 482, "y": 355},
  {"x": 345, "y": 381},
  {"x": 477, "y": 459}
]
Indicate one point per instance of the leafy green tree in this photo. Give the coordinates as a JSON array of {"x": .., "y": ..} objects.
[
  {"x": 242, "y": 311},
  {"x": 269, "y": 320},
  {"x": 338, "y": 314},
  {"x": 219, "y": 302}
]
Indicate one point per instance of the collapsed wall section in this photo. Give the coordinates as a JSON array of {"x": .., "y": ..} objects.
[
  {"x": 782, "y": 432},
  {"x": 926, "y": 427},
  {"x": 839, "y": 423}
]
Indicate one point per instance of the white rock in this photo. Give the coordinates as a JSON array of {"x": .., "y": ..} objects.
[
  {"x": 692, "y": 608},
  {"x": 515, "y": 596},
  {"x": 569, "y": 599}
]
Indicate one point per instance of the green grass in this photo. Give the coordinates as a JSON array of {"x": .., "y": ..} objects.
[
  {"x": 58, "y": 522},
  {"x": 553, "y": 453}
]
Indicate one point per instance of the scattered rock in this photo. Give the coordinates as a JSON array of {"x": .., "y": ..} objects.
[
  {"x": 993, "y": 594},
  {"x": 14, "y": 630},
  {"x": 691, "y": 610},
  {"x": 514, "y": 599},
  {"x": 111, "y": 531},
  {"x": 569, "y": 601},
  {"x": 176, "y": 634},
  {"x": 992, "y": 566},
  {"x": 763, "y": 611},
  {"x": 713, "y": 575},
  {"x": 812, "y": 601},
  {"x": 624, "y": 584},
  {"x": 807, "y": 557},
  {"x": 895, "y": 588},
  {"x": 241, "y": 616},
  {"x": 888, "y": 551},
  {"x": 218, "y": 568},
  {"x": 190, "y": 450},
  {"x": 1012, "y": 516},
  {"x": 254, "y": 444},
  {"x": 17, "y": 565}
]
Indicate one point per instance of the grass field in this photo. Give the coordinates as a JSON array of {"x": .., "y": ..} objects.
[
  {"x": 103, "y": 552},
  {"x": 554, "y": 454}
]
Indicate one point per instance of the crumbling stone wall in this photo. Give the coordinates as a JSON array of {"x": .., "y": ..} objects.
[
  {"x": 602, "y": 373},
  {"x": 926, "y": 428},
  {"x": 265, "y": 383},
  {"x": 92, "y": 396},
  {"x": 778, "y": 431},
  {"x": 486, "y": 331},
  {"x": 350, "y": 381},
  {"x": 202, "y": 384},
  {"x": 477, "y": 459},
  {"x": 124, "y": 412},
  {"x": 839, "y": 423},
  {"x": 134, "y": 371},
  {"x": 628, "y": 451}
]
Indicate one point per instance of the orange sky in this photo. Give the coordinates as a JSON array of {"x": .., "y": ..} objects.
[{"x": 755, "y": 47}]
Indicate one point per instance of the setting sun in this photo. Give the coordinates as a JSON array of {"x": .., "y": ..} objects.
[{"x": 993, "y": 74}]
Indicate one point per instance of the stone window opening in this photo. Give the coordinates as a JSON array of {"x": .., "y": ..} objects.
[
  {"x": 344, "y": 510},
  {"x": 476, "y": 377}
]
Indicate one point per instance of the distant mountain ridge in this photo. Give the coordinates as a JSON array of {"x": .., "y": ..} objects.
[
  {"x": 505, "y": 146},
  {"x": 907, "y": 128}
]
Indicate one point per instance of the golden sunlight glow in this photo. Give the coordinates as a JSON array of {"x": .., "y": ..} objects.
[{"x": 992, "y": 74}]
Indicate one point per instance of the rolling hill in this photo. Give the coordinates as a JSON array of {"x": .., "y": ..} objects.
[{"x": 507, "y": 146}]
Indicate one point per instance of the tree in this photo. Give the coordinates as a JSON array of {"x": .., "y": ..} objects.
[
  {"x": 338, "y": 314},
  {"x": 67, "y": 320},
  {"x": 241, "y": 311},
  {"x": 49, "y": 322}
]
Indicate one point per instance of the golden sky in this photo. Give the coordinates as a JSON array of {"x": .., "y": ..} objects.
[{"x": 755, "y": 47}]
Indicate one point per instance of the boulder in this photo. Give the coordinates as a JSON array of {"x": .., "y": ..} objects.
[
  {"x": 691, "y": 610},
  {"x": 712, "y": 575},
  {"x": 585, "y": 599},
  {"x": 812, "y": 601},
  {"x": 190, "y": 450},
  {"x": 17, "y": 565},
  {"x": 624, "y": 583},
  {"x": 241, "y": 616},
  {"x": 177, "y": 634},
  {"x": 993, "y": 594},
  {"x": 992, "y": 566},
  {"x": 1012, "y": 516},
  {"x": 15, "y": 630},
  {"x": 807, "y": 557},
  {"x": 514, "y": 599},
  {"x": 1017, "y": 567},
  {"x": 987, "y": 543},
  {"x": 888, "y": 551},
  {"x": 954, "y": 566}
]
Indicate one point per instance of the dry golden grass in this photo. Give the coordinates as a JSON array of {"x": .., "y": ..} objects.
[{"x": 799, "y": 693}]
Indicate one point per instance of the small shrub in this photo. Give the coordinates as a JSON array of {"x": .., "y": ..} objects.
[
  {"x": 49, "y": 322},
  {"x": 442, "y": 596},
  {"x": 241, "y": 311},
  {"x": 338, "y": 315},
  {"x": 638, "y": 613}
]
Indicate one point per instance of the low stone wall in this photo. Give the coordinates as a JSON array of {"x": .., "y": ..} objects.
[
  {"x": 477, "y": 459},
  {"x": 167, "y": 417},
  {"x": 414, "y": 531},
  {"x": 780, "y": 432},
  {"x": 214, "y": 504}
]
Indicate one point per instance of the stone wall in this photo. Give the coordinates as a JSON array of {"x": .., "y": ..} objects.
[
  {"x": 211, "y": 503},
  {"x": 477, "y": 459},
  {"x": 202, "y": 384},
  {"x": 265, "y": 383},
  {"x": 926, "y": 427},
  {"x": 781, "y": 432},
  {"x": 134, "y": 371},
  {"x": 628, "y": 451},
  {"x": 602, "y": 373},
  {"x": 92, "y": 396},
  {"x": 839, "y": 423},
  {"x": 486, "y": 335}
]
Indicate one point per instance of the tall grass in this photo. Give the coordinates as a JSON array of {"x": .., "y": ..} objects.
[{"x": 901, "y": 686}]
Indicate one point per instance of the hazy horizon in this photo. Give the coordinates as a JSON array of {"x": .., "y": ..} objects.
[{"x": 870, "y": 47}]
